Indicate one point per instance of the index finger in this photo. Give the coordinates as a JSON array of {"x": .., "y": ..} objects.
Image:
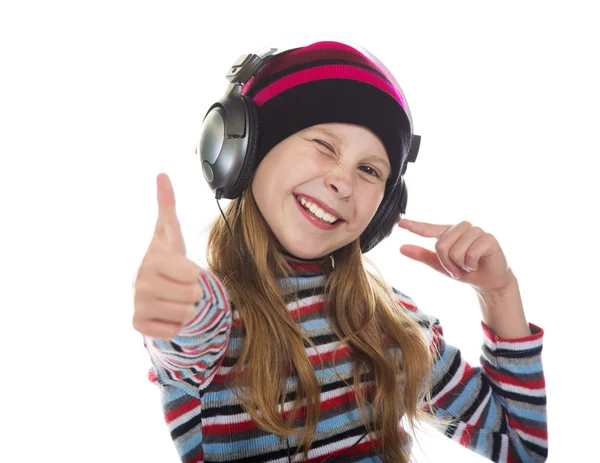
[{"x": 424, "y": 229}]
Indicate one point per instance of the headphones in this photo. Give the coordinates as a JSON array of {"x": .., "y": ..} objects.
[{"x": 229, "y": 139}]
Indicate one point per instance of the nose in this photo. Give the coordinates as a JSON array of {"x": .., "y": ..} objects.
[{"x": 340, "y": 182}]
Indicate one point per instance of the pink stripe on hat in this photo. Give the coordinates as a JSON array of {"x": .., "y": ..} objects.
[
  {"x": 368, "y": 58},
  {"x": 332, "y": 71}
]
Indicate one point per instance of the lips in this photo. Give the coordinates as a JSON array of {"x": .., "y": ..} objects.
[
  {"x": 323, "y": 225},
  {"x": 322, "y": 205}
]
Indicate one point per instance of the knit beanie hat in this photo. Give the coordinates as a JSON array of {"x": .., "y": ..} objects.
[{"x": 329, "y": 81}]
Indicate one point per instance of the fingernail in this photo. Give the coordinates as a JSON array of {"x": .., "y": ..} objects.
[{"x": 467, "y": 269}]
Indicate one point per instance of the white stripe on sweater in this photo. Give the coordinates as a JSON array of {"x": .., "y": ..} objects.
[
  {"x": 454, "y": 382},
  {"x": 244, "y": 417}
]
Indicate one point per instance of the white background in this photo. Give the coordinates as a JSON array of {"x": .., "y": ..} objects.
[{"x": 97, "y": 98}]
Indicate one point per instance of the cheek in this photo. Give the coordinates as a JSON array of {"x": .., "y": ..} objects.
[
  {"x": 372, "y": 198},
  {"x": 262, "y": 188},
  {"x": 299, "y": 169}
]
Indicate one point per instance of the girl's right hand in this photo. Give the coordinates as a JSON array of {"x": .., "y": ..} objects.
[{"x": 166, "y": 287}]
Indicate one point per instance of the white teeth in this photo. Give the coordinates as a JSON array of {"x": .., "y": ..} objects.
[{"x": 316, "y": 210}]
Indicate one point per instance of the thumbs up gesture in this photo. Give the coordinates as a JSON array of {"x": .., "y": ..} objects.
[{"x": 166, "y": 286}]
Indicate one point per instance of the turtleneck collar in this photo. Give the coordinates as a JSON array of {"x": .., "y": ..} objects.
[{"x": 308, "y": 267}]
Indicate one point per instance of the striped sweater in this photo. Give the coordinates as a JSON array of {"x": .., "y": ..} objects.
[{"x": 499, "y": 407}]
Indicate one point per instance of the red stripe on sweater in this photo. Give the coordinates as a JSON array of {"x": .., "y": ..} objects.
[
  {"x": 186, "y": 407},
  {"x": 249, "y": 425},
  {"x": 435, "y": 340},
  {"x": 465, "y": 438},
  {"x": 534, "y": 384},
  {"x": 493, "y": 337},
  {"x": 199, "y": 458},
  {"x": 229, "y": 428},
  {"x": 315, "y": 307},
  {"x": 539, "y": 433},
  {"x": 304, "y": 266},
  {"x": 359, "y": 448},
  {"x": 408, "y": 305},
  {"x": 340, "y": 354},
  {"x": 468, "y": 372}
]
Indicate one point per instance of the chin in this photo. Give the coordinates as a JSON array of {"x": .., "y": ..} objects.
[
  {"x": 304, "y": 249},
  {"x": 303, "y": 254}
]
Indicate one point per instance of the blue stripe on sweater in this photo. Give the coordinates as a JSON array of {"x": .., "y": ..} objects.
[
  {"x": 527, "y": 413},
  {"x": 172, "y": 393},
  {"x": 458, "y": 405},
  {"x": 517, "y": 445},
  {"x": 194, "y": 441},
  {"x": 257, "y": 444},
  {"x": 519, "y": 369},
  {"x": 225, "y": 395},
  {"x": 442, "y": 363},
  {"x": 301, "y": 281},
  {"x": 491, "y": 418}
]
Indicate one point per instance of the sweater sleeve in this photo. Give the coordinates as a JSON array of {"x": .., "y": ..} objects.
[
  {"x": 497, "y": 409},
  {"x": 190, "y": 360}
]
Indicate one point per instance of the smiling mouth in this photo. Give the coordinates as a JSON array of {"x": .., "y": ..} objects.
[{"x": 317, "y": 212}]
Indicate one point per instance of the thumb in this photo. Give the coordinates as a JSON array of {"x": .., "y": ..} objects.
[{"x": 168, "y": 229}]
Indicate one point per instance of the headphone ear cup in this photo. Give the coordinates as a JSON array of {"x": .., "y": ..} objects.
[
  {"x": 250, "y": 158},
  {"x": 386, "y": 217}
]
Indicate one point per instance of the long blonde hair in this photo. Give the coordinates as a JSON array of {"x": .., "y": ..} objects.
[{"x": 362, "y": 311}]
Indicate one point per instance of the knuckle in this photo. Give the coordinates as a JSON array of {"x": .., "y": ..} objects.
[
  {"x": 455, "y": 255},
  {"x": 143, "y": 289},
  {"x": 157, "y": 333},
  {"x": 179, "y": 312},
  {"x": 139, "y": 313},
  {"x": 161, "y": 332},
  {"x": 141, "y": 326},
  {"x": 195, "y": 293},
  {"x": 189, "y": 312},
  {"x": 194, "y": 274},
  {"x": 148, "y": 263},
  {"x": 197, "y": 270},
  {"x": 172, "y": 332},
  {"x": 135, "y": 324},
  {"x": 139, "y": 285}
]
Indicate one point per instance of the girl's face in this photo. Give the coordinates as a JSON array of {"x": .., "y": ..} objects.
[{"x": 340, "y": 170}]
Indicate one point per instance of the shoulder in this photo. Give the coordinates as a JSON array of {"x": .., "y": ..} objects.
[{"x": 413, "y": 311}]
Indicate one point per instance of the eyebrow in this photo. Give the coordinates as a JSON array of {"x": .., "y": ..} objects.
[
  {"x": 373, "y": 157},
  {"x": 378, "y": 159}
]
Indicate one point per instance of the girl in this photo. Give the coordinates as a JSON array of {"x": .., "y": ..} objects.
[{"x": 287, "y": 348}]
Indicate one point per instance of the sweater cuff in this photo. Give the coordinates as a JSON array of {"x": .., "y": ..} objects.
[
  {"x": 213, "y": 302},
  {"x": 495, "y": 342}
]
